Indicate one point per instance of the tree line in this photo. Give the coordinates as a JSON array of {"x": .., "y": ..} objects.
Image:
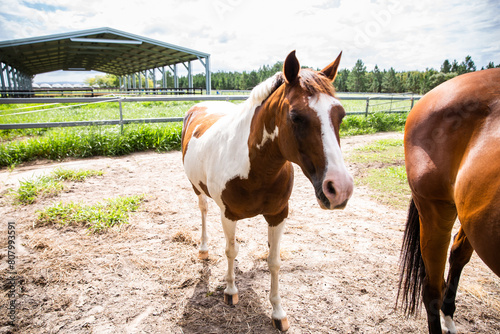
[{"x": 357, "y": 79}]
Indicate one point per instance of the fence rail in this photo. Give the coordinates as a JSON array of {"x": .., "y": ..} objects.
[{"x": 121, "y": 99}]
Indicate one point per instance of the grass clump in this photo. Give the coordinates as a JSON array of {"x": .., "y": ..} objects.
[
  {"x": 49, "y": 185},
  {"x": 97, "y": 218},
  {"x": 391, "y": 185},
  {"x": 75, "y": 175},
  {"x": 382, "y": 169},
  {"x": 381, "y": 151},
  {"x": 30, "y": 190}
]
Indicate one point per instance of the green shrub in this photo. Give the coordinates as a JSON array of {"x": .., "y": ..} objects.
[{"x": 373, "y": 123}]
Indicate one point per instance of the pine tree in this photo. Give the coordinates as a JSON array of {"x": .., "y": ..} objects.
[
  {"x": 376, "y": 85},
  {"x": 356, "y": 81},
  {"x": 446, "y": 67},
  {"x": 390, "y": 82}
]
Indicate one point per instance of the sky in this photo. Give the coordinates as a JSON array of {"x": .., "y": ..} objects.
[{"x": 244, "y": 35}]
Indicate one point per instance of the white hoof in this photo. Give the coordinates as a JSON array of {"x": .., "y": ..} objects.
[{"x": 447, "y": 324}]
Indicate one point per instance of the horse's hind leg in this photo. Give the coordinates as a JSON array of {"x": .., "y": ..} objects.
[
  {"x": 436, "y": 222},
  {"x": 231, "y": 292},
  {"x": 460, "y": 254},
  {"x": 203, "y": 204}
]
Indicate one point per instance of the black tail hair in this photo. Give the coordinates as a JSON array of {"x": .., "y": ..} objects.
[{"x": 411, "y": 264}]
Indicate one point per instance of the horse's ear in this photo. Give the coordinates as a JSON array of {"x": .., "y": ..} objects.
[
  {"x": 291, "y": 68},
  {"x": 331, "y": 70}
]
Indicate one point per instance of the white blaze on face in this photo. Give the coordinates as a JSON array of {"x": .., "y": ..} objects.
[{"x": 323, "y": 104}]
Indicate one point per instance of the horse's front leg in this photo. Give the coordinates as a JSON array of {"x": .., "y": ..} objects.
[
  {"x": 231, "y": 292},
  {"x": 203, "y": 204},
  {"x": 280, "y": 321}
]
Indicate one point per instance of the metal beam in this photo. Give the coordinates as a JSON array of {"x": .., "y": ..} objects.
[
  {"x": 87, "y": 123},
  {"x": 103, "y": 40},
  {"x": 126, "y": 99}
]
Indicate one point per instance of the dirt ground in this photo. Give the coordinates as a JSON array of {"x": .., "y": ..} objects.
[{"x": 339, "y": 272}]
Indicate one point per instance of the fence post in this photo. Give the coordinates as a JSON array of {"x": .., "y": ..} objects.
[
  {"x": 367, "y": 106},
  {"x": 411, "y": 107},
  {"x": 121, "y": 115}
]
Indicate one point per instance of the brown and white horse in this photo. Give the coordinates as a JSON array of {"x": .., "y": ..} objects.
[
  {"x": 452, "y": 154},
  {"x": 240, "y": 156}
]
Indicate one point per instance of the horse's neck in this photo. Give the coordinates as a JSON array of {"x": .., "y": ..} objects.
[{"x": 264, "y": 133}]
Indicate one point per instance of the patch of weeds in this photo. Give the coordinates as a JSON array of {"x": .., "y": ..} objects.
[
  {"x": 48, "y": 185},
  {"x": 42, "y": 186},
  {"x": 390, "y": 184},
  {"x": 75, "y": 175},
  {"x": 381, "y": 167},
  {"x": 381, "y": 151},
  {"x": 97, "y": 218}
]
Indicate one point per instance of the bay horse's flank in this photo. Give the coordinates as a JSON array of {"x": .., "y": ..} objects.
[
  {"x": 452, "y": 155},
  {"x": 241, "y": 155}
]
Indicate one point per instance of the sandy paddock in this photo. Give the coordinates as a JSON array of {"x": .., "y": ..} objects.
[{"x": 339, "y": 272}]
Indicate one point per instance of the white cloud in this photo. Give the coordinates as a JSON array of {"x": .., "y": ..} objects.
[{"x": 243, "y": 35}]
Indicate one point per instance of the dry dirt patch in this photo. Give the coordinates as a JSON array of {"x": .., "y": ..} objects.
[{"x": 339, "y": 273}]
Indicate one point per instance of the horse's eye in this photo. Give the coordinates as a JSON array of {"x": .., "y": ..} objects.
[{"x": 297, "y": 119}]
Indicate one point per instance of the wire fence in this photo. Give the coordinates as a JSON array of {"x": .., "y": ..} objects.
[{"x": 355, "y": 104}]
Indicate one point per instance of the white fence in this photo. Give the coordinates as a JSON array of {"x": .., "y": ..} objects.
[{"x": 371, "y": 101}]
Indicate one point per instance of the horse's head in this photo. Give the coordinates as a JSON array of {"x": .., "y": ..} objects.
[{"x": 309, "y": 131}]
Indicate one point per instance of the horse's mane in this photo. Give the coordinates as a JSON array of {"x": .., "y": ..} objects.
[
  {"x": 263, "y": 90},
  {"x": 312, "y": 82}
]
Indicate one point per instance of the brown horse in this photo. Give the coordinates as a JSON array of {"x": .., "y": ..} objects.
[
  {"x": 452, "y": 154},
  {"x": 240, "y": 156}
]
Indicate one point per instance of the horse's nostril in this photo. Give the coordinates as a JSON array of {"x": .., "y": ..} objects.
[{"x": 331, "y": 188}]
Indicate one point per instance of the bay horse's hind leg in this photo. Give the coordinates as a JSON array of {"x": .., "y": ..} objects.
[
  {"x": 280, "y": 320},
  {"x": 203, "y": 204},
  {"x": 231, "y": 292},
  {"x": 436, "y": 222},
  {"x": 461, "y": 252}
]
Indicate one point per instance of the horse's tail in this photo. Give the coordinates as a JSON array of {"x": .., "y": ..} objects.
[{"x": 411, "y": 264}]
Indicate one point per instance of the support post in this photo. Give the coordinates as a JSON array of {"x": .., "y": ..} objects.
[
  {"x": 9, "y": 84},
  {"x": 208, "y": 77},
  {"x": 2, "y": 67},
  {"x": 367, "y": 106},
  {"x": 190, "y": 75},
  {"x": 121, "y": 115},
  {"x": 164, "y": 78},
  {"x": 176, "y": 78},
  {"x": 153, "y": 78}
]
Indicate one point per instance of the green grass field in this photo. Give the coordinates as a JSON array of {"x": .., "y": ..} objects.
[
  {"x": 382, "y": 168},
  {"x": 17, "y": 146}
]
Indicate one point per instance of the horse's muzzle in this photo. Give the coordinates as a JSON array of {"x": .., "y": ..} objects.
[{"x": 334, "y": 193}]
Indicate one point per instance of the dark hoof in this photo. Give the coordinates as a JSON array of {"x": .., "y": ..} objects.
[
  {"x": 281, "y": 324},
  {"x": 231, "y": 299},
  {"x": 203, "y": 255}
]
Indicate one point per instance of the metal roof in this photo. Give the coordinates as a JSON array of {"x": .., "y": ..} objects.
[{"x": 104, "y": 49}]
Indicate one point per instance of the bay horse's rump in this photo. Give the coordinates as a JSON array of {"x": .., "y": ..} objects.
[{"x": 452, "y": 156}]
